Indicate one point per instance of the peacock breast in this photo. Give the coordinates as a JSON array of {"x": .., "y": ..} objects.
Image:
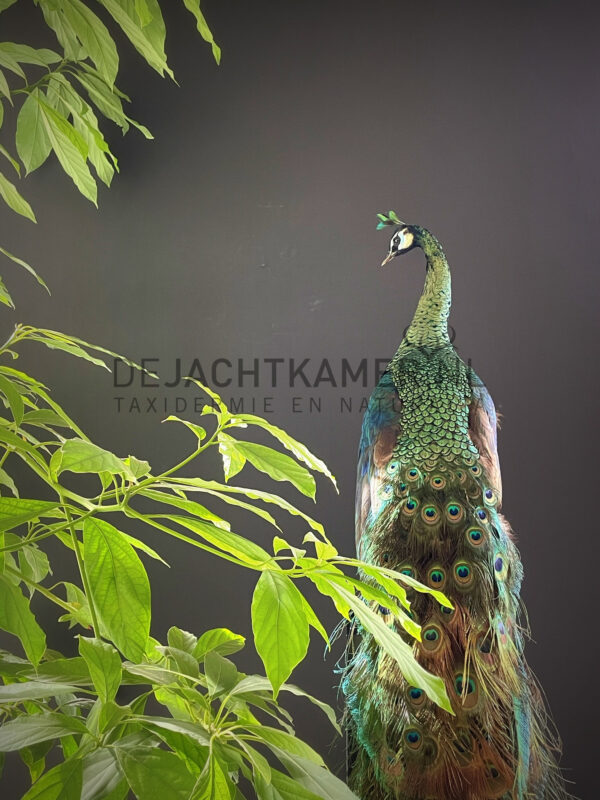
[{"x": 435, "y": 393}]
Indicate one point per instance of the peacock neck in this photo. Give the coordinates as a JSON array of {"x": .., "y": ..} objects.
[{"x": 429, "y": 327}]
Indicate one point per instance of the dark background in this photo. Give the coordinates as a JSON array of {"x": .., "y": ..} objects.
[{"x": 246, "y": 230}]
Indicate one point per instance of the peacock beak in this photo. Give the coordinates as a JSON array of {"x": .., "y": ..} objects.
[{"x": 389, "y": 257}]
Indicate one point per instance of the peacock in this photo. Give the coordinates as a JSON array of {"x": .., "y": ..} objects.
[{"x": 428, "y": 506}]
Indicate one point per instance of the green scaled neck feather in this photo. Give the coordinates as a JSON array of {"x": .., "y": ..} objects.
[
  {"x": 432, "y": 382},
  {"x": 428, "y": 506},
  {"x": 429, "y": 327}
]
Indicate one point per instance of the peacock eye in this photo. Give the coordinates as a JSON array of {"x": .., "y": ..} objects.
[
  {"x": 413, "y": 738},
  {"x": 459, "y": 685},
  {"x": 454, "y": 511},
  {"x": 438, "y": 482},
  {"x": 476, "y": 469},
  {"x": 409, "y": 571},
  {"x": 463, "y": 573},
  {"x": 430, "y": 514},
  {"x": 489, "y": 496},
  {"x": 500, "y": 567},
  {"x": 475, "y": 536},
  {"x": 436, "y": 575},
  {"x": 415, "y": 693},
  {"x": 482, "y": 514},
  {"x": 410, "y": 506},
  {"x": 392, "y": 467}
]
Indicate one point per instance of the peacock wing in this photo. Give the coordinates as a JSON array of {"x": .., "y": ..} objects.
[
  {"x": 483, "y": 426},
  {"x": 380, "y": 432}
]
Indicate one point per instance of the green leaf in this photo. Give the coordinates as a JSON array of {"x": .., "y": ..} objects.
[
  {"x": 314, "y": 621},
  {"x": 228, "y": 495},
  {"x": 104, "y": 98},
  {"x": 143, "y": 547},
  {"x": 313, "y": 777},
  {"x": 184, "y": 662},
  {"x": 119, "y": 585},
  {"x": 285, "y": 788},
  {"x": 6, "y": 480},
  {"x": 4, "y": 4},
  {"x": 102, "y": 775},
  {"x": 15, "y": 401},
  {"x": 7, "y": 60},
  {"x": 221, "y": 673},
  {"x": 27, "y": 730},
  {"x": 35, "y": 758},
  {"x": 300, "y": 450},
  {"x": 33, "y": 563},
  {"x": 233, "y": 460},
  {"x": 137, "y": 467},
  {"x": 277, "y": 466},
  {"x": 14, "y": 200},
  {"x": 196, "y": 509},
  {"x": 192, "y": 730},
  {"x": 399, "y": 650},
  {"x": 33, "y": 143},
  {"x": 155, "y": 774},
  {"x": 285, "y": 741},
  {"x": 143, "y": 12},
  {"x": 67, "y": 347},
  {"x": 5, "y": 296},
  {"x": 78, "y": 455},
  {"x": 149, "y": 39},
  {"x": 62, "y": 782},
  {"x": 104, "y": 665},
  {"x": 280, "y": 626},
  {"x": 182, "y": 640},
  {"x": 196, "y": 429},
  {"x": 193, "y": 6},
  {"x": 24, "y": 54},
  {"x": 16, "y": 618},
  {"x": 213, "y": 783},
  {"x": 223, "y": 491},
  {"x": 219, "y": 640},
  {"x": 94, "y": 36},
  {"x": 34, "y": 690},
  {"x": 6, "y": 154},
  {"x": 70, "y": 148},
  {"x": 26, "y": 266},
  {"x": 238, "y": 546},
  {"x": 253, "y": 683}
]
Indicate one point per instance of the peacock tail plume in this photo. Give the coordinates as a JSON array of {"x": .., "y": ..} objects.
[{"x": 428, "y": 505}]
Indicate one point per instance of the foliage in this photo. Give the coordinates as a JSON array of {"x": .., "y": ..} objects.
[
  {"x": 58, "y": 94},
  {"x": 217, "y": 724}
]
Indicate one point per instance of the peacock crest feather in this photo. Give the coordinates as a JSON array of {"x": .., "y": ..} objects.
[{"x": 428, "y": 504}]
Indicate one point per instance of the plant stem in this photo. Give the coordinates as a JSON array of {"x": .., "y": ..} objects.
[
  {"x": 39, "y": 588},
  {"x": 82, "y": 571}
]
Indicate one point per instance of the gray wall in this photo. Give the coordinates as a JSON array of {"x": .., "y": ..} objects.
[{"x": 246, "y": 230}]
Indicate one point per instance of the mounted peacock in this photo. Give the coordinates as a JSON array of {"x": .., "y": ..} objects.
[{"x": 428, "y": 505}]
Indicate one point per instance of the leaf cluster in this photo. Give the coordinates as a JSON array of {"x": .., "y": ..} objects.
[
  {"x": 219, "y": 725},
  {"x": 59, "y": 95}
]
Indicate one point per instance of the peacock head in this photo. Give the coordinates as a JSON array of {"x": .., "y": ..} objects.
[{"x": 403, "y": 239}]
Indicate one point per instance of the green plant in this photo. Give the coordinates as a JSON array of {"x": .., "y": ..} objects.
[
  {"x": 59, "y": 92},
  {"x": 209, "y": 727},
  {"x": 213, "y": 728}
]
